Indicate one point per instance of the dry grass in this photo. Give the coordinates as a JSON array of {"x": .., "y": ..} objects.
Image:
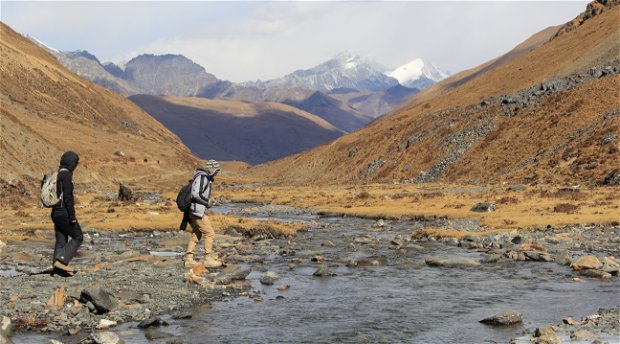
[
  {"x": 95, "y": 213},
  {"x": 515, "y": 209}
]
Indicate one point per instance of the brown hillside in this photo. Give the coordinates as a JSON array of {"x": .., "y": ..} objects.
[
  {"x": 229, "y": 129},
  {"x": 543, "y": 116},
  {"x": 460, "y": 78},
  {"x": 47, "y": 109}
]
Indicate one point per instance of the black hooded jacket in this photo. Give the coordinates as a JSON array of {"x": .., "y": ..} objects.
[{"x": 64, "y": 184}]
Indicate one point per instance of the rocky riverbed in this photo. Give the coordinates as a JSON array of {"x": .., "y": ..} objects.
[{"x": 136, "y": 277}]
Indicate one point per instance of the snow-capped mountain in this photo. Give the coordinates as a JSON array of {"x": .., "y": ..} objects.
[
  {"x": 343, "y": 71},
  {"x": 417, "y": 73}
]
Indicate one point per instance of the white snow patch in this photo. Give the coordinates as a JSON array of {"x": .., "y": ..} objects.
[
  {"x": 42, "y": 44},
  {"x": 415, "y": 70}
]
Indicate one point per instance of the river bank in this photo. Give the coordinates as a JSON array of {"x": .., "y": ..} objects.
[{"x": 144, "y": 273}]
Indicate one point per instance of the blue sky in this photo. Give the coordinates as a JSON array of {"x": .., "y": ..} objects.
[{"x": 241, "y": 41}]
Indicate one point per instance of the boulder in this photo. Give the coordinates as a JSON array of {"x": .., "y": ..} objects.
[
  {"x": 105, "y": 324},
  {"x": 569, "y": 321},
  {"x": 125, "y": 193},
  {"x": 379, "y": 224},
  {"x": 504, "y": 318},
  {"x": 611, "y": 265},
  {"x": 153, "y": 322},
  {"x": 232, "y": 272},
  {"x": 546, "y": 335},
  {"x": 105, "y": 337},
  {"x": 451, "y": 261},
  {"x": 6, "y": 328},
  {"x": 102, "y": 300},
  {"x": 324, "y": 271},
  {"x": 613, "y": 178},
  {"x": 586, "y": 262},
  {"x": 594, "y": 273},
  {"x": 483, "y": 207},
  {"x": 57, "y": 300},
  {"x": 532, "y": 247},
  {"x": 269, "y": 277},
  {"x": 583, "y": 335}
]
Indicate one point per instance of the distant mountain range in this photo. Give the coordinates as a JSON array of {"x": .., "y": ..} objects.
[
  {"x": 343, "y": 71},
  {"x": 176, "y": 75},
  {"x": 347, "y": 91}
]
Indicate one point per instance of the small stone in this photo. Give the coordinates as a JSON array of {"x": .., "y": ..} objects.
[
  {"x": 74, "y": 331},
  {"x": 379, "y": 224},
  {"x": 269, "y": 277},
  {"x": 504, "y": 318},
  {"x": 53, "y": 341},
  {"x": 317, "y": 259},
  {"x": 328, "y": 243},
  {"x": 284, "y": 287}
]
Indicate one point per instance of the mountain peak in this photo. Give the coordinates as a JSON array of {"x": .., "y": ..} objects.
[{"x": 417, "y": 73}]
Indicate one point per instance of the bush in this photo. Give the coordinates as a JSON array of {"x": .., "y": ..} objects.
[{"x": 565, "y": 208}]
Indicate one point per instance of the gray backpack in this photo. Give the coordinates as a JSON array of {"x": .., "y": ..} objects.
[{"x": 49, "y": 198}]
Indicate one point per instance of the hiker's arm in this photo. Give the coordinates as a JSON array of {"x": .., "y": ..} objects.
[
  {"x": 201, "y": 184},
  {"x": 67, "y": 195}
]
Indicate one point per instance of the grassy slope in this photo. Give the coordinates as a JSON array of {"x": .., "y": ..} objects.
[{"x": 47, "y": 109}]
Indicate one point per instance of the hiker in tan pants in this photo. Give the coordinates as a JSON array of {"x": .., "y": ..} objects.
[{"x": 201, "y": 226}]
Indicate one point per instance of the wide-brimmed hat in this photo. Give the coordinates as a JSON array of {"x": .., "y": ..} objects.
[{"x": 212, "y": 167}]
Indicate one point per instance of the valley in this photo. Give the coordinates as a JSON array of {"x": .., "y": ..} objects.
[{"x": 353, "y": 204}]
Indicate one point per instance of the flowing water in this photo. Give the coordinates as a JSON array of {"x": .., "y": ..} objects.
[{"x": 400, "y": 301}]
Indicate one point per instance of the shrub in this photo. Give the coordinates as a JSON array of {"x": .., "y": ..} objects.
[
  {"x": 508, "y": 200},
  {"x": 565, "y": 208}
]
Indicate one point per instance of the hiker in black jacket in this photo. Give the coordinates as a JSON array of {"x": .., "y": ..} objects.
[{"x": 63, "y": 214}]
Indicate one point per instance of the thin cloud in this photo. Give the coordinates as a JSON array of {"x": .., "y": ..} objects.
[{"x": 242, "y": 41}]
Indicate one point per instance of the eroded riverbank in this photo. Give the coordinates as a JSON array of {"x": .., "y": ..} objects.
[{"x": 374, "y": 286}]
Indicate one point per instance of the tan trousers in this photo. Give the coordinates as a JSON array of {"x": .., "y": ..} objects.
[{"x": 200, "y": 227}]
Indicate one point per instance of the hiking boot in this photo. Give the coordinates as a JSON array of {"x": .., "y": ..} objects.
[
  {"x": 64, "y": 267},
  {"x": 189, "y": 261},
  {"x": 211, "y": 261}
]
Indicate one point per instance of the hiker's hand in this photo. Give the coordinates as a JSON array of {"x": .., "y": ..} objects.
[{"x": 209, "y": 204}]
